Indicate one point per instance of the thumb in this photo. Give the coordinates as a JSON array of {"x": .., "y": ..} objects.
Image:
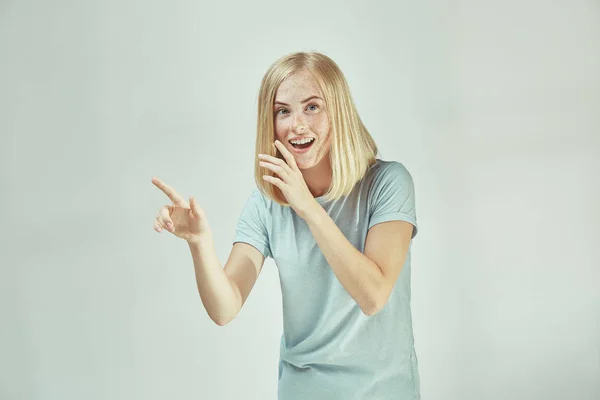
[{"x": 194, "y": 206}]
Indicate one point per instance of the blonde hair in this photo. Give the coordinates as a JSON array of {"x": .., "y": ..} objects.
[{"x": 352, "y": 150}]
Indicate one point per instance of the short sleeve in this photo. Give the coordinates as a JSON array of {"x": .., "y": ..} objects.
[
  {"x": 251, "y": 226},
  {"x": 392, "y": 196}
]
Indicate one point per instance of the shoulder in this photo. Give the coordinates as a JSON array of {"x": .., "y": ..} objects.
[
  {"x": 257, "y": 195},
  {"x": 259, "y": 199},
  {"x": 388, "y": 179},
  {"x": 385, "y": 171},
  {"x": 255, "y": 207}
]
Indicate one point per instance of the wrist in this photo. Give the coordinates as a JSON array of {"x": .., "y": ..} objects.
[
  {"x": 314, "y": 214},
  {"x": 200, "y": 240}
]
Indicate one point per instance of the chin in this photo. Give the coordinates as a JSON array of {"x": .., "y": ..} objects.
[
  {"x": 303, "y": 165},
  {"x": 306, "y": 164}
]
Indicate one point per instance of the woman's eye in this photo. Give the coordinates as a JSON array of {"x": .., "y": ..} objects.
[{"x": 316, "y": 107}]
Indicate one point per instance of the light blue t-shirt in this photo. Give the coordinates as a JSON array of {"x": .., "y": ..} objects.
[{"x": 329, "y": 349}]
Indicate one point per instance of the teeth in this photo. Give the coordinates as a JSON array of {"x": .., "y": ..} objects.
[{"x": 301, "y": 141}]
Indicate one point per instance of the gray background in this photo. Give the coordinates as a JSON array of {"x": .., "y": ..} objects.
[{"x": 494, "y": 107}]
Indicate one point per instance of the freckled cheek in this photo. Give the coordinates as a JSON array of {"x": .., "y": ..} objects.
[
  {"x": 319, "y": 125},
  {"x": 281, "y": 128}
]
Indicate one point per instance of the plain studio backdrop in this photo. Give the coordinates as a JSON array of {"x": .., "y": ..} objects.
[{"x": 494, "y": 108}]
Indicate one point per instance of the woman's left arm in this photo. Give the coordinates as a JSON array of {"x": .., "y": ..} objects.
[{"x": 370, "y": 277}]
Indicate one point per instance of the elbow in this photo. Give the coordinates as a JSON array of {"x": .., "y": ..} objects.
[
  {"x": 222, "y": 320},
  {"x": 374, "y": 304},
  {"x": 371, "y": 310},
  {"x": 371, "y": 307}
]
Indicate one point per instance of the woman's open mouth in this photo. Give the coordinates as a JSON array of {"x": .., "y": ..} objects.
[{"x": 303, "y": 146}]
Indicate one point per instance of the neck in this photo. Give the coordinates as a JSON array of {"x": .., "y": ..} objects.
[{"x": 318, "y": 178}]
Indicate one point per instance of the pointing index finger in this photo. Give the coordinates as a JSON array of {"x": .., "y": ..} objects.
[{"x": 169, "y": 191}]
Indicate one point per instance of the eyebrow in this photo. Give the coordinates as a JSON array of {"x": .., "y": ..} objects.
[{"x": 303, "y": 101}]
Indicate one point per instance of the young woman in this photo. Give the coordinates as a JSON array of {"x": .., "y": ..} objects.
[{"x": 338, "y": 223}]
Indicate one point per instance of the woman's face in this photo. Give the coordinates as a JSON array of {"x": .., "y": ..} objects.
[{"x": 299, "y": 113}]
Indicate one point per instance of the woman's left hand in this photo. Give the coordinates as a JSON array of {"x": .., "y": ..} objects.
[{"x": 290, "y": 181}]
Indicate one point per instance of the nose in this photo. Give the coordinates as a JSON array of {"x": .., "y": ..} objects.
[{"x": 299, "y": 126}]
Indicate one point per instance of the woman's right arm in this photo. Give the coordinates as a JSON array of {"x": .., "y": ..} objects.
[{"x": 224, "y": 290}]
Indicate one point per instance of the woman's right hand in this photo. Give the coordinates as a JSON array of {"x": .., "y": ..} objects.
[{"x": 184, "y": 220}]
